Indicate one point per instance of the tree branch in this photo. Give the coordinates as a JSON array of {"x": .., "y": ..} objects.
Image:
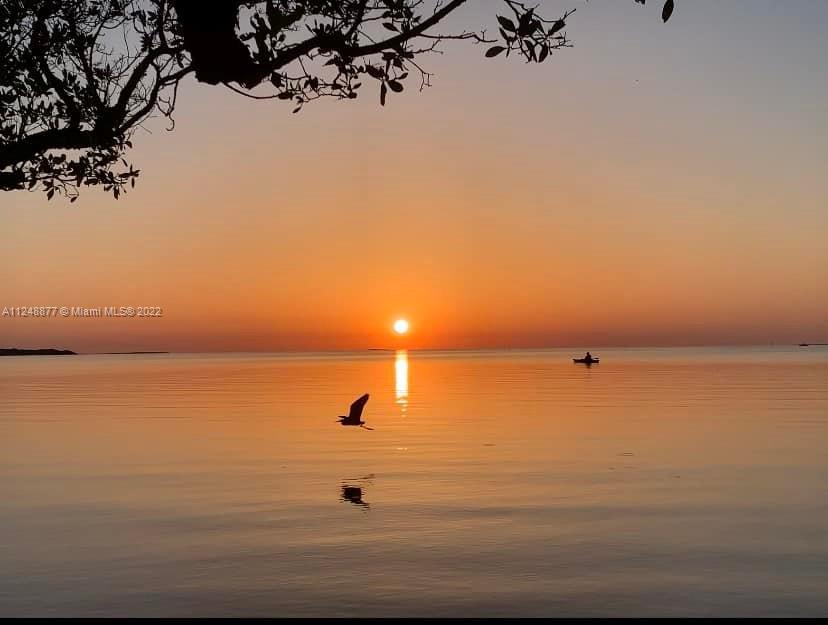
[{"x": 36, "y": 144}]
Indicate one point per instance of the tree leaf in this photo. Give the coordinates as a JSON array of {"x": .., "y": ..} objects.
[
  {"x": 506, "y": 23},
  {"x": 395, "y": 85},
  {"x": 383, "y": 93},
  {"x": 527, "y": 23},
  {"x": 667, "y": 11},
  {"x": 494, "y": 51}
]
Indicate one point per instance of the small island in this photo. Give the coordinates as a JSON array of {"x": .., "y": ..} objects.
[{"x": 14, "y": 351}]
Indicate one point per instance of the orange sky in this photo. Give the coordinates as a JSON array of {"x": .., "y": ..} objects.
[{"x": 653, "y": 185}]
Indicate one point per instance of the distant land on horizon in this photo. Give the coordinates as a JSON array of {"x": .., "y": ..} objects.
[
  {"x": 17, "y": 351},
  {"x": 127, "y": 353},
  {"x": 14, "y": 351}
]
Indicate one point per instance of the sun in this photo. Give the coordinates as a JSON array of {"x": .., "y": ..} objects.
[{"x": 401, "y": 326}]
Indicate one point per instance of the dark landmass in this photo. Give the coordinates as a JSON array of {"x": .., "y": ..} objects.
[
  {"x": 813, "y": 344},
  {"x": 14, "y": 351},
  {"x": 122, "y": 353}
]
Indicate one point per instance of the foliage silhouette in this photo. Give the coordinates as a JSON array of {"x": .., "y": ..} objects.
[{"x": 78, "y": 77}]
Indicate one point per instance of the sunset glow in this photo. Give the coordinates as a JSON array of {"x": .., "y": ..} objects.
[
  {"x": 406, "y": 309},
  {"x": 698, "y": 225}
]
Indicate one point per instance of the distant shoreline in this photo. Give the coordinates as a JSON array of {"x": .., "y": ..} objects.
[
  {"x": 14, "y": 351},
  {"x": 50, "y": 351},
  {"x": 127, "y": 353}
]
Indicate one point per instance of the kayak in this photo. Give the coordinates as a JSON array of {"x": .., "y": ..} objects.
[{"x": 584, "y": 361}]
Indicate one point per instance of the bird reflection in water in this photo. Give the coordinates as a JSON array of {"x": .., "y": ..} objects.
[
  {"x": 401, "y": 379},
  {"x": 352, "y": 491}
]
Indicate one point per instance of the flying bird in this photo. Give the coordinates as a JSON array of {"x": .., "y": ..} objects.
[{"x": 355, "y": 415}]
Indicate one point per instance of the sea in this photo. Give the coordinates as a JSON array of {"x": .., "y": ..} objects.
[{"x": 660, "y": 482}]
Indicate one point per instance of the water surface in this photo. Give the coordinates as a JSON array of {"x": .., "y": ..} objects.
[{"x": 678, "y": 482}]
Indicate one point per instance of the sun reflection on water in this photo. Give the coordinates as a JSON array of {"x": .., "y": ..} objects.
[{"x": 401, "y": 378}]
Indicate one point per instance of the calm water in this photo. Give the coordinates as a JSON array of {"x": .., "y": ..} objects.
[{"x": 660, "y": 482}]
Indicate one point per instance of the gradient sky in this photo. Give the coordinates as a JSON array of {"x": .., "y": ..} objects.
[{"x": 654, "y": 185}]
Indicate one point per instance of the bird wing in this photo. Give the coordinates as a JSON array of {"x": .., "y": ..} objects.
[{"x": 357, "y": 406}]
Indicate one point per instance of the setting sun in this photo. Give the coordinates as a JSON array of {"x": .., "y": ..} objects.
[{"x": 401, "y": 326}]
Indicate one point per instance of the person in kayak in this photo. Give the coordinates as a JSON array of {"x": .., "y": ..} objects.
[{"x": 588, "y": 356}]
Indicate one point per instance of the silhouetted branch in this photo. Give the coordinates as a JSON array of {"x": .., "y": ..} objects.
[{"x": 77, "y": 77}]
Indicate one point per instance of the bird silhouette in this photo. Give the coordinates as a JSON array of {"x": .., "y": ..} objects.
[{"x": 355, "y": 415}]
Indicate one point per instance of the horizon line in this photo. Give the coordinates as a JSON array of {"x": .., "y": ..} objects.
[{"x": 431, "y": 349}]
